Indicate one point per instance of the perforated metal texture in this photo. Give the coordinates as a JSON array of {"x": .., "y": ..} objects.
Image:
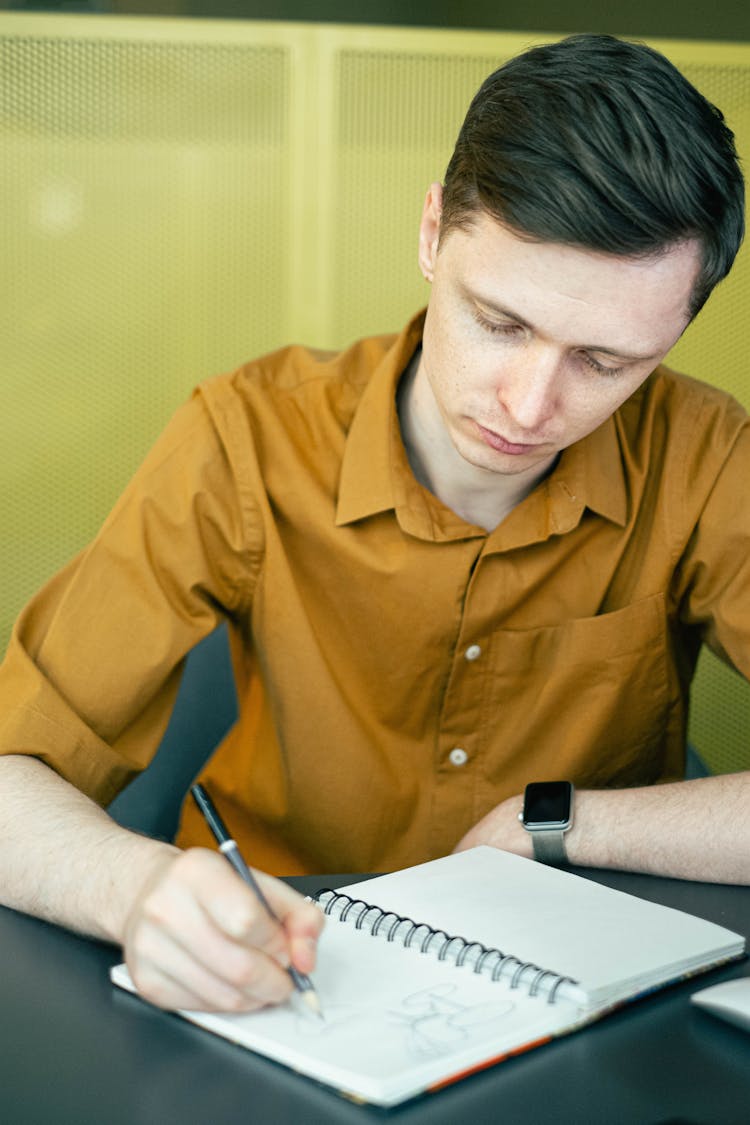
[
  {"x": 388, "y": 149},
  {"x": 180, "y": 196},
  {"x": 714, "y": 348},
  {"x": 144, "y": 231}
]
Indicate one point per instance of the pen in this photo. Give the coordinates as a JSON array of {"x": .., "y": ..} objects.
[{"x": 228, "y": 847}]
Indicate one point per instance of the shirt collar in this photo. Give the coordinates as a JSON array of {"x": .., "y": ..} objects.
[
  {"x": 367, "y": 483},
  {"x": 593, "y": 470},
  {"x": 375, "y": 475}
]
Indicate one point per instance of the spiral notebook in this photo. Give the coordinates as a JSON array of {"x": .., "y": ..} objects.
[{"x": 431, "y": 973}]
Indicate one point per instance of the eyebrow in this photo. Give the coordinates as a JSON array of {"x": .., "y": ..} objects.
[{"x": 598, "y": 348}]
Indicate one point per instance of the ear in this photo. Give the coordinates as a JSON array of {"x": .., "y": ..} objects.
[{"x": 429, "y": 230}]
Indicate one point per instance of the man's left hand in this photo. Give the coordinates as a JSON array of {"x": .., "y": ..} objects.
[{"x": 500, "y": 828}]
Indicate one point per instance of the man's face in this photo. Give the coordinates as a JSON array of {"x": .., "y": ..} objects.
[{"x": 530, "y": 346}]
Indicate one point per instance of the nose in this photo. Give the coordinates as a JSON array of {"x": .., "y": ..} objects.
[{"x": 528, "y": 387}]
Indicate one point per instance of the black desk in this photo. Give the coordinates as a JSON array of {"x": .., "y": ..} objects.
[{"x": 75, "y": 1051}]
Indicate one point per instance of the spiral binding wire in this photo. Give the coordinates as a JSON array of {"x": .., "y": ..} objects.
[{"x": 453, "y": 947}]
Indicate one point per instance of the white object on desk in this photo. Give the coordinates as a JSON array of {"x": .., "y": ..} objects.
[{"x": 730, "y": 1001}]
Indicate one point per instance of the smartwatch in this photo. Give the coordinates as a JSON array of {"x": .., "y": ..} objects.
[{"x": 548, "y": 815}]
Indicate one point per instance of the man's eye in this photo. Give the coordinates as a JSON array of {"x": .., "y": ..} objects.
[
  {"x": 600, "y": 368},
  {"x": 494, "y": 328}
]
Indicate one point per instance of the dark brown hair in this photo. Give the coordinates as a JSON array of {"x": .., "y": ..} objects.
[{"x": 600, "y": 143}]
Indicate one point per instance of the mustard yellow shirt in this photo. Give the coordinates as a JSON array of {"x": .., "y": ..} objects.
[{"x": 398, "y": 671}]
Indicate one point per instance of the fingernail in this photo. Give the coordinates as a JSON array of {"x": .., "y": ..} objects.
[{"x": 304, "y": 950}]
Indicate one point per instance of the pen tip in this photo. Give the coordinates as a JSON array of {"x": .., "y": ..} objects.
[{"x": 311, "y": 999}]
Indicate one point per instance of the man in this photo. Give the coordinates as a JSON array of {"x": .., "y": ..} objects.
[{"x": 482, "y": 554}]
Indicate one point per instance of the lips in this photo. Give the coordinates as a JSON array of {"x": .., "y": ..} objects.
[{"x": 502, "y": 445}]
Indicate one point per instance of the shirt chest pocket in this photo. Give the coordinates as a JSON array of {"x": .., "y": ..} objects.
[{"x": 588, "y": 699}]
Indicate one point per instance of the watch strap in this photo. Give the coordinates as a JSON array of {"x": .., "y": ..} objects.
[{"x": 549, "y": 846}]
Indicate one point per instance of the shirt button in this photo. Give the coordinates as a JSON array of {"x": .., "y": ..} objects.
[
  {"x": 473, "y": 652},
  {"x": 458, "y": 756}
]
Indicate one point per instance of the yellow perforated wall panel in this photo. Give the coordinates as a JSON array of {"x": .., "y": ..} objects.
[
  {"x": 388, "y": 149},
  {"x": 145, "y": 234},
  {"x": 179, "y": 196}
]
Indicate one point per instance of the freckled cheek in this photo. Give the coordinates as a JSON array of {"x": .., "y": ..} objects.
[
  {"x": 453, "y": 373},
  {"x": 459, "y": 371},
  {"x": 582, "y": 415}
]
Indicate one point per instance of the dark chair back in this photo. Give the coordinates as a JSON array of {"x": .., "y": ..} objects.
[{"x": 205, "y": 709}]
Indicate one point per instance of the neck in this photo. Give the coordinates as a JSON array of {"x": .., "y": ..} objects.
[{"x": 479, "y": 496}]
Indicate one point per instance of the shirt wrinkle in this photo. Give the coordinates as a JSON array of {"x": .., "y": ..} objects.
[{"x": 238, "y": 453}]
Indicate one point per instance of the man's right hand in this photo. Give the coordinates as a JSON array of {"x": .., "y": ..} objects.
[
  {"x": 197, "y": 937},
  {"x": 193, "y": 933}
]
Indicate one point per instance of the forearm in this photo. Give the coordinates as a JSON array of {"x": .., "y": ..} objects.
[
  {"x": 194, "y": 935},
  {"x": 63, "y": 858},
  {"x": 687, "y": 830}
]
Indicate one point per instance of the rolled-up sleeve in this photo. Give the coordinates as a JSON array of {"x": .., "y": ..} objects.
[{"x": 94, "y": 661}]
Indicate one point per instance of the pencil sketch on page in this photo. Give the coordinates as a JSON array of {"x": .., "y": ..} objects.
[
  {"x": 437, "y": 1022},
  {"x": 432, "y": 1021}
]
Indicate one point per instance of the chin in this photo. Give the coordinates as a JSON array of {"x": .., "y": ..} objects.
[{"x": 502, "y": 464}]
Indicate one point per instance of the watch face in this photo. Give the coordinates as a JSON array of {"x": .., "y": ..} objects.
[{"x": 547, "y": 803}]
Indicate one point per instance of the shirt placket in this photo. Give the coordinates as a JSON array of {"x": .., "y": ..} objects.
[{"x": 461, "y": 734}]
